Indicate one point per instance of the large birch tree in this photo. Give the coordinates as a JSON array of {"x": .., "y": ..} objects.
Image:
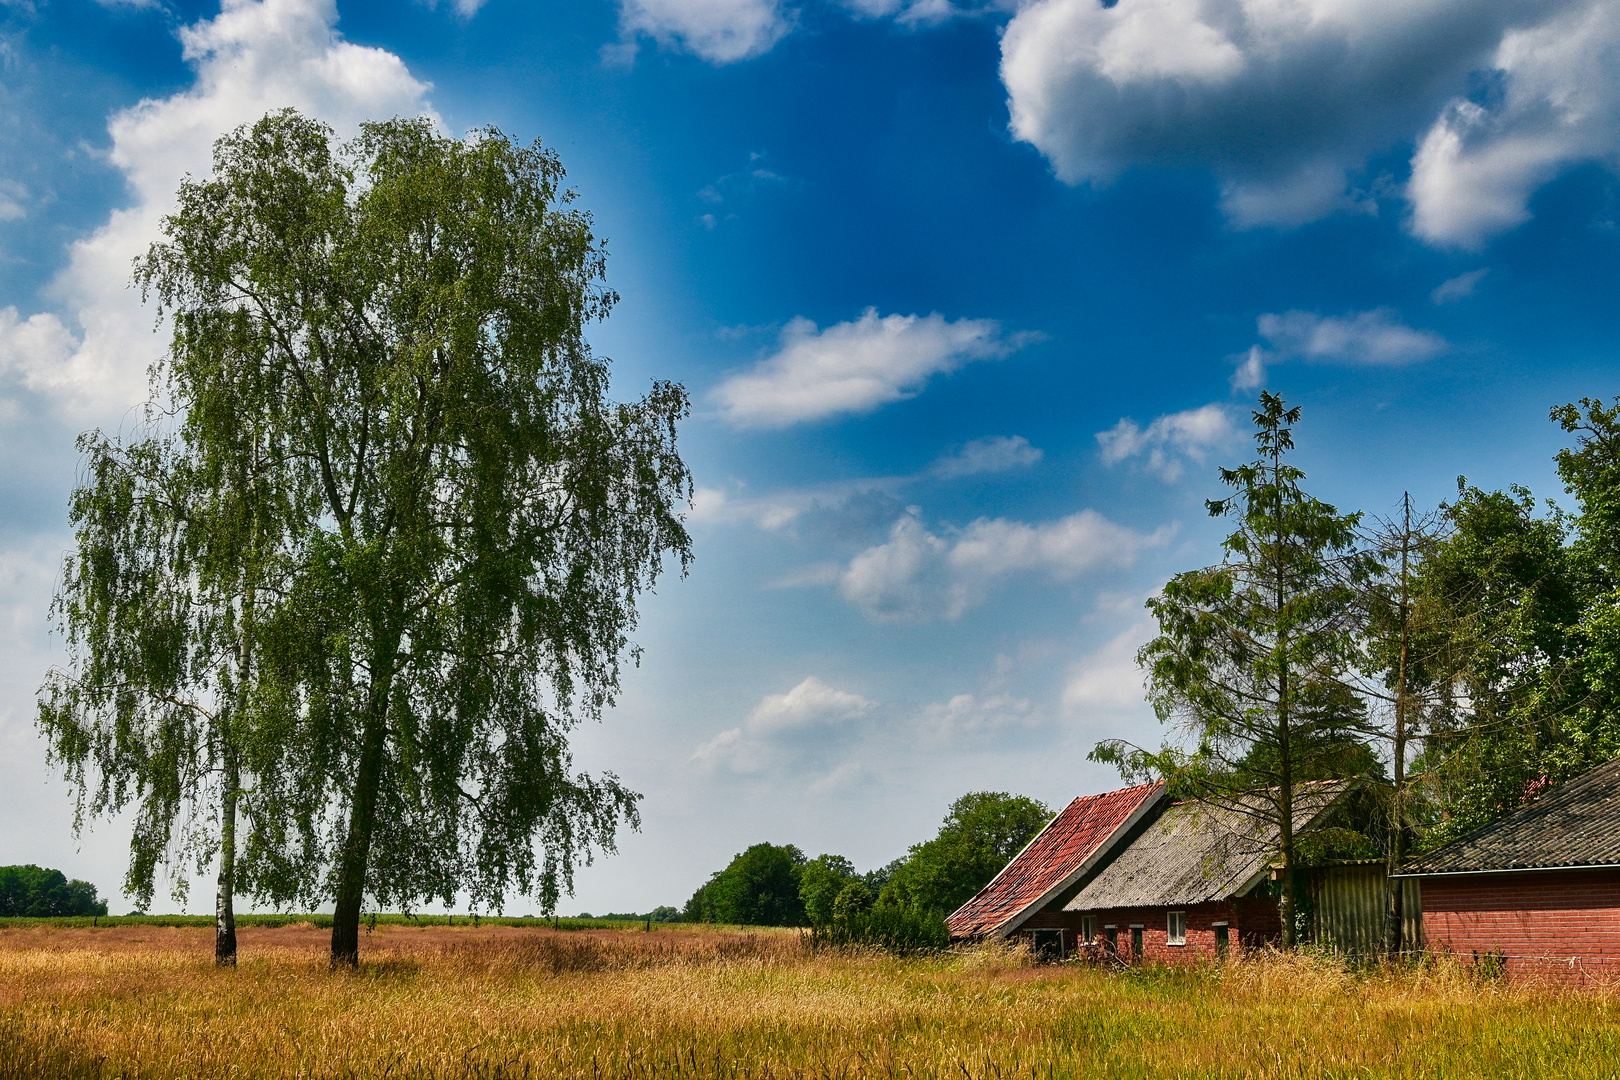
[{"x": 459, "y": 519}]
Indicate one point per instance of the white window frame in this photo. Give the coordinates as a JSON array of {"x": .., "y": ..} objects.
[
  {"x": 1175, "y": 928},
  {"x": 1088, "y": 928}
]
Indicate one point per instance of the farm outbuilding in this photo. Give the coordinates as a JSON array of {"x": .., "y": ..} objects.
[
  {"x": 1057, "y": 861},
  {"x": 1539, "y": 889},
  {"x": 1200, "y": 880},
  {"x": 1144, "y": 878}
]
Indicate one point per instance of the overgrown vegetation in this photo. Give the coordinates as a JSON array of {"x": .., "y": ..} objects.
[{"x": 496, "y": 1002}]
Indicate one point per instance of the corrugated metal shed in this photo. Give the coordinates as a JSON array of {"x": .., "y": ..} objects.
[
  {"x": 1348, "y": 903},
  {"x": 1198, "y": 852},
  {"x": 1059, "y": 855},
  {"x": 1574, "y": 824}
]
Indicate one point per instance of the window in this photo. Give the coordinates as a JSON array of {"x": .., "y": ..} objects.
[
  {"x": 1223, "y": 938},
  {"x": 1048, "y": 945},
  {"x": 1111, "y": 933},
  {"x": 1136, "y": 941},
  {"x": 1176, "y": 928},
  {"x": 1088, "y": 928}
]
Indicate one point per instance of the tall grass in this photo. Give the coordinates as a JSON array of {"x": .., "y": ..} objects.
[{"x": 506, "y": 1002}]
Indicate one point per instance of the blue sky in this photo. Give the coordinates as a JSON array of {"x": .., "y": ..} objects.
[{"x": 972, "y": 299}]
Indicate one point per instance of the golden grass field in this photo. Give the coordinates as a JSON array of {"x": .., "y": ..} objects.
[{"x": 508, "y": 1002}]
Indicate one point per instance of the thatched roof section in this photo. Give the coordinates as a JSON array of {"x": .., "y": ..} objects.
[{"x": 1200, "y": 851}]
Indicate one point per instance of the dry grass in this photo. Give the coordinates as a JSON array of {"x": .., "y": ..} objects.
[{"x": 501, "y": 1002}]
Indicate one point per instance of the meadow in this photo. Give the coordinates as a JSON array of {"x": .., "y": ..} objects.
[{"x": 509, "y": 1001}]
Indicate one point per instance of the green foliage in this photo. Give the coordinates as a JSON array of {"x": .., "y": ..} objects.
[
  {"x": 1538, "y": 591},
  {"x": 894, "y": 929},
  {"x": 821, "y": 881},
  {"x": 379, "y": 354},
  {"x": 981, "y": 833},
  {"x": 1254, "y": 656},
  {"x": 35, "y": 892},
  {"x": 853, "y": 899},
  {"x": 759, "y": 888}
]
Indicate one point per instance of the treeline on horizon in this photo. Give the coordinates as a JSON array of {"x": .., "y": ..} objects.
[
  {"x": 902, "y": 904},
  {"x": 37, "y": 892}
]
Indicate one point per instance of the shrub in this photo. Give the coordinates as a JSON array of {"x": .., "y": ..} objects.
[{"x": 894, "y": 929}]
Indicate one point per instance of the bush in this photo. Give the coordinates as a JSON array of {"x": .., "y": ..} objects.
[{"x": 894, "y": 929}]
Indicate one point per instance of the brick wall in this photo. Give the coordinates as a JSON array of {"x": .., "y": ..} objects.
[
  {"x": 1250, "y": 923},
  {"x": 1558, "y": 925}
]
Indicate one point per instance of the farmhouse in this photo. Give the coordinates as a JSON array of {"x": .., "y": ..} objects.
[
  {"x": 1052, "y": 866},
  {"x": 1539, "y": 888},
  {"x": 1196, "y": 881},
  {"x": 1130, "y": 872}
]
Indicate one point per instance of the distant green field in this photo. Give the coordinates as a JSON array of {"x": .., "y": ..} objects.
[{"x": 325, "y": 921}]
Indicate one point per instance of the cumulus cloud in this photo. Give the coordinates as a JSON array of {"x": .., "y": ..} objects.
[
  {"x": 856, "y": 367},
  {"x": 1478, "y": 164},
  {"x": 254, "y": 56},
  {"x": 811, "y": 707},
  {"x": 1376, "y": 338},
  {"x": 1285, "y": 102},
  {"x": 719, "y": 31},
  {"x": 916, "y": 574},
  {"x": 834, "y": 738},
  {"x": 1167, "y": 443}
]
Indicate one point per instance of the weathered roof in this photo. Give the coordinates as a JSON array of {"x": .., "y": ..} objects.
[
  {"x": 1200, "y": 851},
  {"x": 1574, "y": 824},
  {"x": 1060, "y": 853}
]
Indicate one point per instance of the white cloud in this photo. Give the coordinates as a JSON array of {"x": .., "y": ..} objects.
[
  {"x": 1170, "y": 440},
  {"x": 1284, "y": 100},
  {"x": 1459, "y": 287},
  {"x": 837, "y": 739},
  {"x": 1376, "y": 338},
  {"x": 995, "y": 453},
  {"x": 1477, "y": 166},
  {"x": 254, "y": 56},
  {"x": 855, "y": 367},
  {"x": 970, "y": 714},
  {"x": 810, "y": 707},
  {"x": 917, "y": 575},
  {"x": 719, "y": 31},
  {"x": 1109, "y": 678}
]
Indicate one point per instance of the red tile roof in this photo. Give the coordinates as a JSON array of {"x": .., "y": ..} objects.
[{"x": 1054, "y": 859}]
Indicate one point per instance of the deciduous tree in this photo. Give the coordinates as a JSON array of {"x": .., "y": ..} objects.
[{"x": 462, "y": 521}]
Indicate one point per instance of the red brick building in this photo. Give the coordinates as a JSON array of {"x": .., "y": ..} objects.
[
  {"x": 1051, "y": 866},
  {"x": 1539, "y": 888},
  {"x": 1195, "y": 883}
]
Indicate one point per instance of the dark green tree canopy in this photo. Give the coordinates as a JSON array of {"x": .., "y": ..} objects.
[
  {"x": 760, "y": 887},
  {"x": 36, "y": 892},
  {"x": 981, "y": 833}
]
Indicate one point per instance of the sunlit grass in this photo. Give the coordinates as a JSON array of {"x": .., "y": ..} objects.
[{"x": 694, "y": 1002}]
